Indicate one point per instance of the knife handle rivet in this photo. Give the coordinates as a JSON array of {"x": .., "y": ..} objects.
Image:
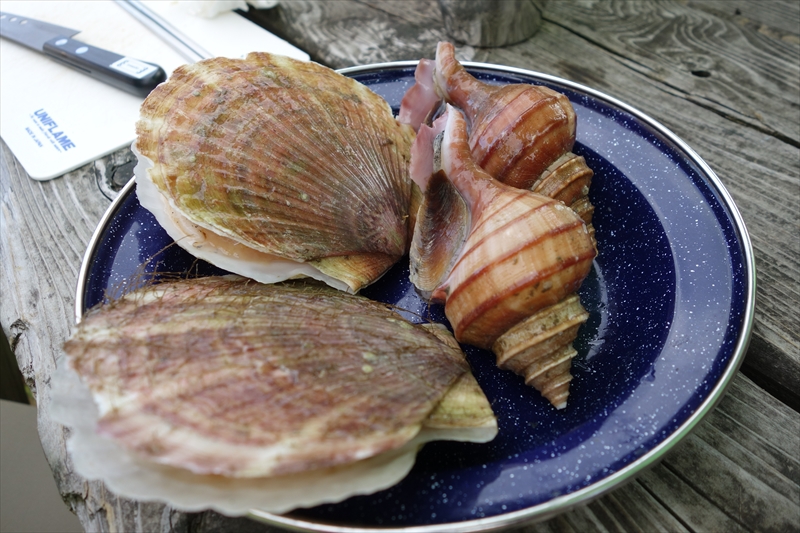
[
  {"x": 60, "y": 42},
  {"x": 82, "y": 50}
]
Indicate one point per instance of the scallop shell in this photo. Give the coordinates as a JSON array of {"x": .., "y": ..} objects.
[
  {"x": 498, "y": 256},
  {"x": 269, "y": 160},
  {"x": 227, "y": 377}
]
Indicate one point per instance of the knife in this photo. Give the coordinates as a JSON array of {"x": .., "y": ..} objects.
[{"x": 126, "y": 73}]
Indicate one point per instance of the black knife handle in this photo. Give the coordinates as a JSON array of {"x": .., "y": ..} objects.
[{"x": 126, "y": 73}]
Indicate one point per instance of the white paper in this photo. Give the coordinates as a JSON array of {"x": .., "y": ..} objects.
[
  {"x": 55, "y": 119},
  {"x": 227, "y": 34}
]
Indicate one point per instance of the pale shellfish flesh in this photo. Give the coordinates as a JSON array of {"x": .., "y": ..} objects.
[{"x": 274, "y": 168}]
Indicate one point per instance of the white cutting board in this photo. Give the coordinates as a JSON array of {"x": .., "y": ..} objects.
[{"x": 55, "y": 119}]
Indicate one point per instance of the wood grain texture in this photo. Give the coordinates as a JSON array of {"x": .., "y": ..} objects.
[
  {"x": 776, "y": 18},
  {"x": 742, "y": 75},
  {"x": 743, "y": 119},
  {"x": 346, "y": 33},
  {"x": 726, "y": 82}
]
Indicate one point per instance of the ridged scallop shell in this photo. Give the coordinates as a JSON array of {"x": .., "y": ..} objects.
[
  {"x": 498, "y": 256},
  {"x": 279, "y": 159},
  {"x": 225, "y": 376}
]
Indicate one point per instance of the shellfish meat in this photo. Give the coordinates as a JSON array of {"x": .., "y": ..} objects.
[
  {"x": 225, "y": 378},
  {"x": 498, "y": 257},
  {"x": 274, "y": 168}
]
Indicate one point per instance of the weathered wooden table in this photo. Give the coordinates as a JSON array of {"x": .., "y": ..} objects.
[{"x": 722, "y": 75}]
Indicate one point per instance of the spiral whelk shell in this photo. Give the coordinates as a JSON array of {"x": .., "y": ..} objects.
[
  {"x": 540, "y": 348},
  {"x": 274, "y": 168},
  {"x": 568, "y": 179},
  {"x": 516, "y": 130},
  {"x": 495, "y": 241},
  {"x": 521, "y": 134}
]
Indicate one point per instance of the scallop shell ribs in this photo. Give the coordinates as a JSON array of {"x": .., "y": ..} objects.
[
  {"x": 272, "y": 160},
  {"x": 226, "y": 376}
]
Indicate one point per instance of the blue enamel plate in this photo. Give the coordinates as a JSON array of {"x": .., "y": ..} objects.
[{"x": 671, "y": 299}]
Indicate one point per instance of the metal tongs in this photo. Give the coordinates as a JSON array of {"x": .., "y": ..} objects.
[{"x": 166, "y": 31}]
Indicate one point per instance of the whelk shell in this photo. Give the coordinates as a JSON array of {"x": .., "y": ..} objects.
[
  {"x": 498, "y": 256},
  {"x": 225, "y": 376},
  {"x": 521, "y": 134},
  {"x": 516, "y": 130},
  {"x": 274, "y": 168}
]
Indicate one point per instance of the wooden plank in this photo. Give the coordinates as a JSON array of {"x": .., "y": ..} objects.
[
  {"x": 777, "y": 18},
  {"x": 629, "y": 508},
  {"x": 695, "y": 512},
  {"x": 632, "y": 508},
  {"x": 347, "y": 33},
  {"x": 741, "y": 74},
  {"x": 579, "y": 520},
  {"x": 737, "y": 492},
  {"x": 743, "y": 463},
  {"x": 763, "y": 428}
]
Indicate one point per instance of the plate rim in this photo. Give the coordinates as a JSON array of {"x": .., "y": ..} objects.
[{"x": 559, "y": 504}]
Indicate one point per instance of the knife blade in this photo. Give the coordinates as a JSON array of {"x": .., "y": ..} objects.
[{"x": 126, "y": 73}]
